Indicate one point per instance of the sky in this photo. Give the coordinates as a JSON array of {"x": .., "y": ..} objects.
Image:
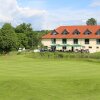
[{"x": 48, "y": 14}]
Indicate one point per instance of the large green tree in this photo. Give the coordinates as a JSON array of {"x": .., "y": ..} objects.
[
  {"x": 27, "y": 37},
  {"x": 23, "y": 28},
  {"x": 22, "y": 40},
  {"x": 91, "y": 21},
  {"x": 33, "y": 39},
  {"x": 8, "y": 38}
]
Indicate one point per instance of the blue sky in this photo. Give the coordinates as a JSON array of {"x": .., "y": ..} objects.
[
  {"x": 54, "y": 4},
  {"x": 49, "y": 14}
]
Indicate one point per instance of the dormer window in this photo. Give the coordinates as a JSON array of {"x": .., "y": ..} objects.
[
  {"x": 87, "y": 32},
  {"x": 76, "y": 32},
  {"x": 98, "y": 32},
  {"x": 65, "y": 32},
  {"x": 53, "y": 32}
]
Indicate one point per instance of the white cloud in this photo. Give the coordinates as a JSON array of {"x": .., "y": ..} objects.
[
  {"x": 10, "y": 11},
  {"x": 69, "y": 16},
  {"x": 95, "y": 3},
  {"x": 28, "y": 12}
]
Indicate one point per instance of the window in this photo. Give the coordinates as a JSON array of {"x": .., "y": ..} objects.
[
  {"x": 98, "y": 32},
  {"x": 98, "y": 41},
  {"x": 87, "y": 41},
  {"x": 53, "y": 41},
  {"x": 64, "y": 47},
  {"x": 97, "y": 47},
  {"x": 87, "y": 32},
  {"x": 53, "y": 48},
  {"x": 64, "y": 41},
  {"x": 76, "y": 32},
  {"x": 53, "y": 32},
  {"x": 75, "y": 41},
  {"x": 90, "y": 47},
  {"x": 65, "y": 32}
]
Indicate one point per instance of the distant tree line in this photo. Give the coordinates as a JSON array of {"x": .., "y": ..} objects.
[{"x": 21, "y": 36}]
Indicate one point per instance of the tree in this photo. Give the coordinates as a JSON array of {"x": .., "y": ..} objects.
[
  {"x": 27, "y": 37},
  {"x": 22, "y": 32},
  {"x": 8, "y": 38},
  {"x": 91, "y": 21},
  {"x": 22, "y": 40},
  {"x": 33, "y": 39},
  {"x": 23, "y": 28}
]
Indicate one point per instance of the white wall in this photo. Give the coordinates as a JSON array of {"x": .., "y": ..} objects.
[{"x": 47, "y": 42}]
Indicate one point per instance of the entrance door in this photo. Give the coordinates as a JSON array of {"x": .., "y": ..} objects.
[
  {"x": 53, "y": 48},
  {"x": 64, "y": 47},
  {"x": 72, "y": 49}
]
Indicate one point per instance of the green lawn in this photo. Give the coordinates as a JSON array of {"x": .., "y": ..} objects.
[{"x": 23, "y": 78}]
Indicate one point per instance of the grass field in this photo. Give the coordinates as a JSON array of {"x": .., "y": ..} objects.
[{"x": 23, "y": 78}]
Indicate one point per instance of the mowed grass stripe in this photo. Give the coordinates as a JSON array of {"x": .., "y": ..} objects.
[{"x": 23, "y": 78}]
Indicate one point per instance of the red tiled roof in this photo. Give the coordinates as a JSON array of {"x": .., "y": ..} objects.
[{"x": 71, "y": 29}]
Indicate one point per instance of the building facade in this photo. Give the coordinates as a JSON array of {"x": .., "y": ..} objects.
[{"x": 74, "y": 38}]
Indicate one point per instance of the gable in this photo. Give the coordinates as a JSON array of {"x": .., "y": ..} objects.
[
  {"x": 98, "y": 32},
  {"x": 76, "y": 32},
  {"x": 65, "y": 32},
  {"x": 87, "y": 32},
  {"x": 54, "y": 32}
]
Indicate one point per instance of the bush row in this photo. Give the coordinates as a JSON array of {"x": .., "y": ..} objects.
[{"x": 61, "y": 55}]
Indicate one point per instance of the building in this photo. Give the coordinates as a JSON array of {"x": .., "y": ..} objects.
[{"x": 74, "y": 38}]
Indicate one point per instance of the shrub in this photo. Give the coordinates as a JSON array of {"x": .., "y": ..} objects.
[{"x": 62, "y": 55}]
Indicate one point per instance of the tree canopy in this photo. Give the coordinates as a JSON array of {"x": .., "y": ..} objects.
[
  {"x": 91, "y": 21},
  {"x": 8, "y": 38},
  {"x": 28, "y": 38}
]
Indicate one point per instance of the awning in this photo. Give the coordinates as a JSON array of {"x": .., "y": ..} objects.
[
  {"x": 55, "y": 45},
  {"x": 77, "y": 45},
  {"x": 61, "y": 45},
  {"x": 67, "y": 45}
]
